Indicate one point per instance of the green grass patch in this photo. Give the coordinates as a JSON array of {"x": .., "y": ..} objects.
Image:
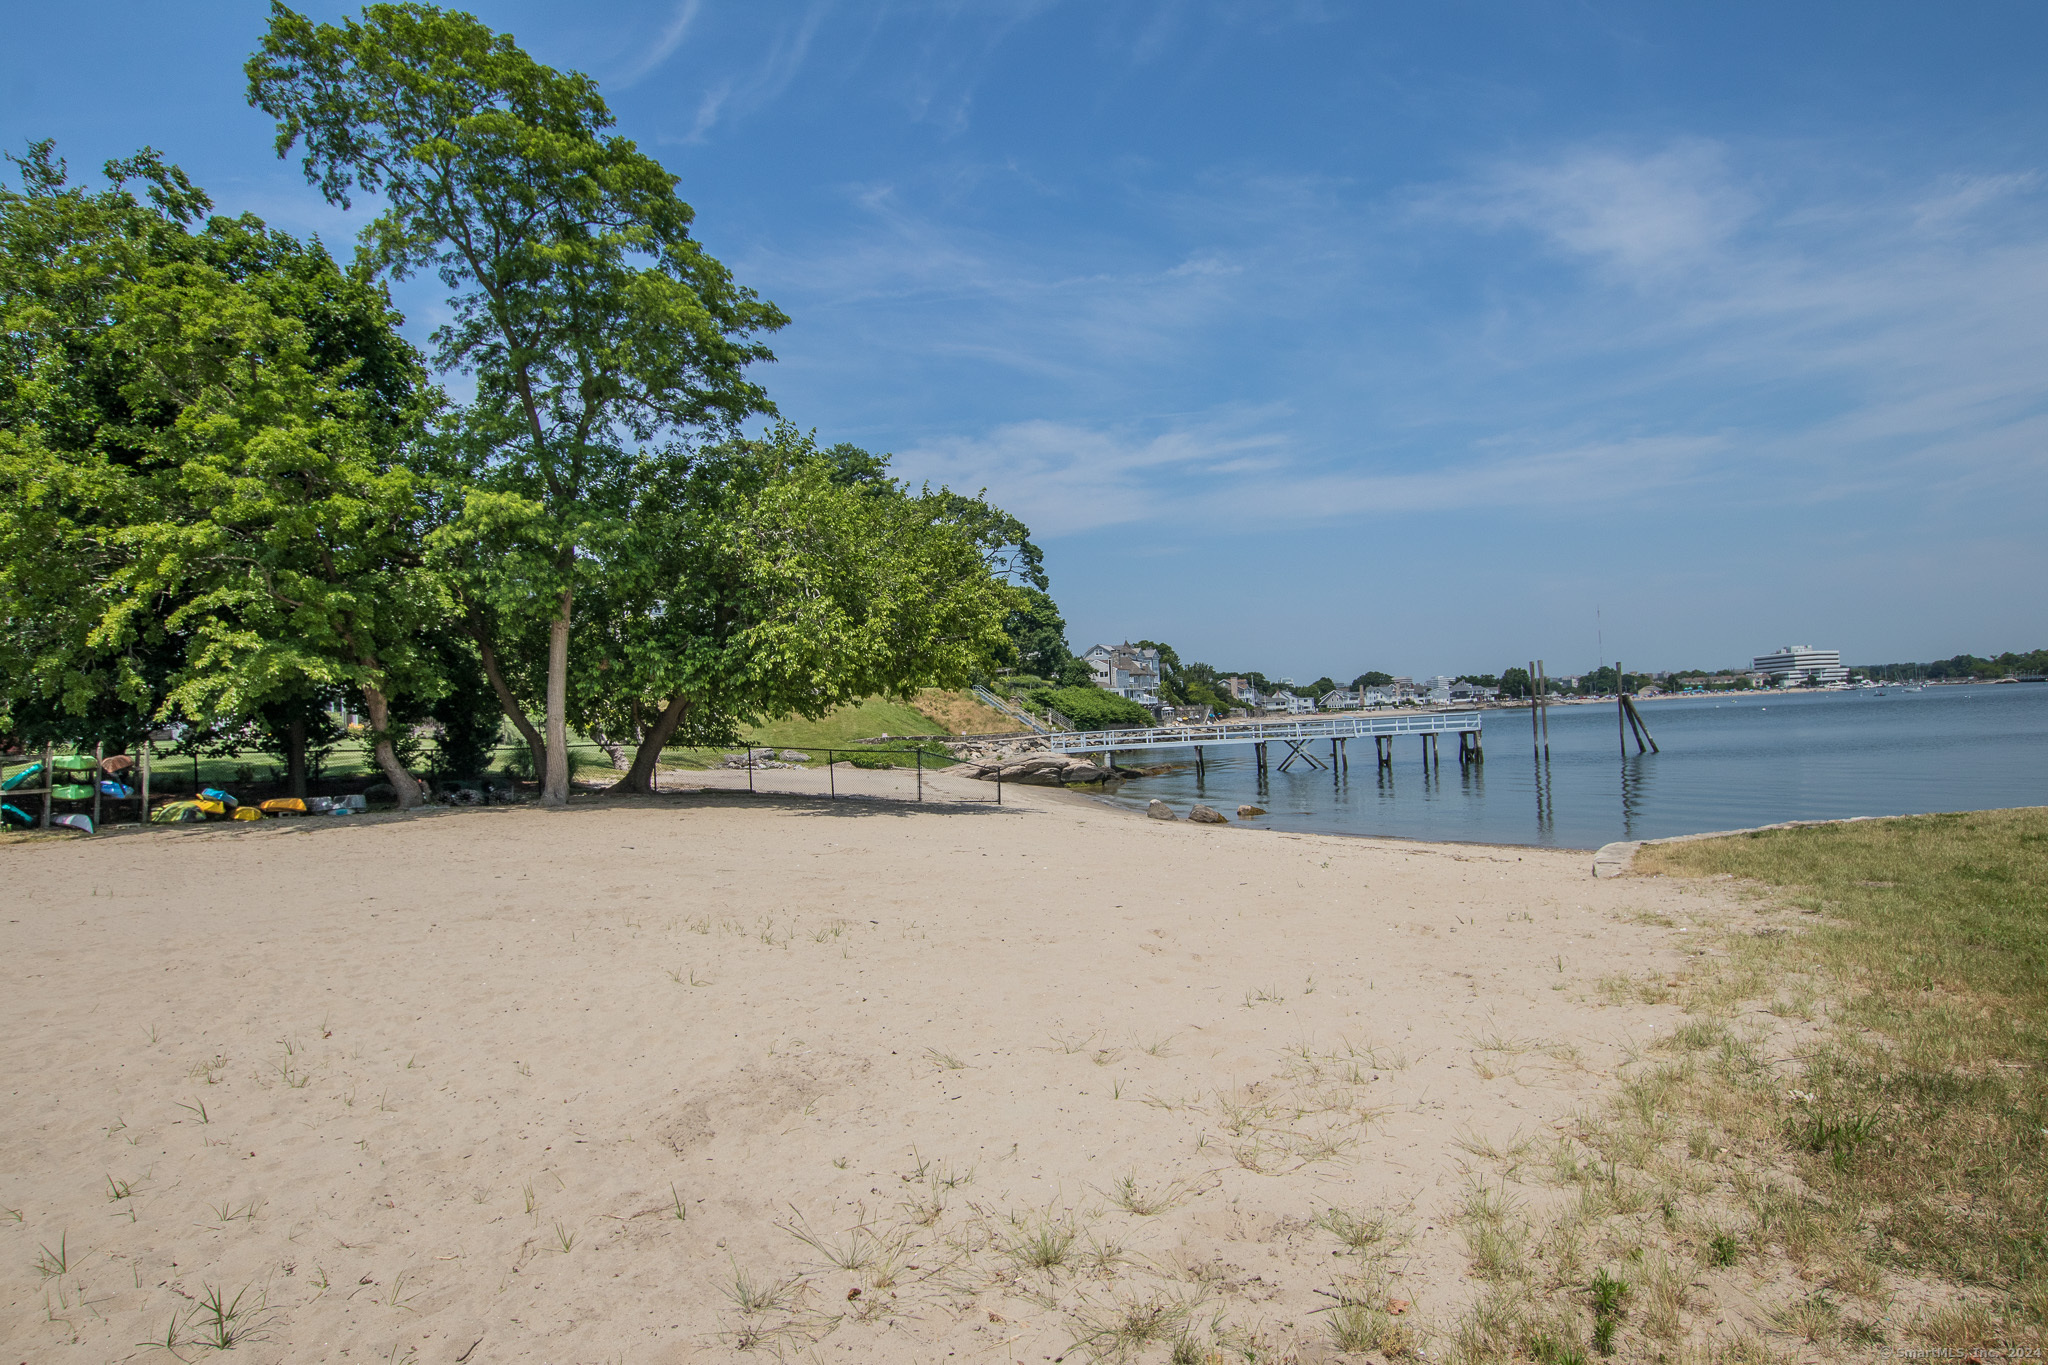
[
  {"x": 1923, "y": 1122},
  {"x": 844, "y": 727}
]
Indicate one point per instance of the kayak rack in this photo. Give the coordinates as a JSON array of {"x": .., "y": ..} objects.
[{"x": 46, "y": 768}]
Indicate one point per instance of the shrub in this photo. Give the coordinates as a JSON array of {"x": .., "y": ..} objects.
[{"x": 1091, "y": 708}]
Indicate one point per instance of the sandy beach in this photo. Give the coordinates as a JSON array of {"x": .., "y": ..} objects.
[{"x": 690, "y": 1076}]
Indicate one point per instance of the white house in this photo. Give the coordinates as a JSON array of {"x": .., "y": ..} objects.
[
  {"x": 1242, "y": 692},
  {"x": 1126, "y": 670}
]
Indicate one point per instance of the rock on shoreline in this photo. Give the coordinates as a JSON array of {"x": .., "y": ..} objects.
[{"x": 1043, "y": 770}]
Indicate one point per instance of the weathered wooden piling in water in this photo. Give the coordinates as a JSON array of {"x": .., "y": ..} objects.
[{"x": 1627, "y": 717}]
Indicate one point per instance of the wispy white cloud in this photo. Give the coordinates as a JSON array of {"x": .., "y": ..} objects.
[
  {"x": 1243, "y": 470},
  {"x": 1542, "y": 478},
  {"x": 665, "y": 44},
  {"x": 771, "y": 77},
  {"x": 975, "y": 292},
  {"x": 1697, "y": 327},
  {"x": 1960, "y": 198},
  {"x": 1064, "y": 478},
  {"x": 1643, "y": 215}
]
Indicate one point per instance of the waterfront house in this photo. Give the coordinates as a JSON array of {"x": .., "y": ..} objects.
[{"x": 1126, "y": 670}]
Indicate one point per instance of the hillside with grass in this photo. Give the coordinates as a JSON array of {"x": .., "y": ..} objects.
[{"x": 847, "y": 725}]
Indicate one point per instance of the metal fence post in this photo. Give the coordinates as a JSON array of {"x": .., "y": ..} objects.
[
  {"x": 750, "y": 768},
  {"x": 919, "y": 751},
  {"x": 832, "y": 772}
]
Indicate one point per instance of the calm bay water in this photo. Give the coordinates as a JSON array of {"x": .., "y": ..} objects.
[{"x": 1727, "y": 763}]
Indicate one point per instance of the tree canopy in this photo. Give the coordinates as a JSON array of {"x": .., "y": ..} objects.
[
  {"x": 235, "y": 496},
  {"x": 592, "y": 323},
  {"x": 203, "y": 445}
]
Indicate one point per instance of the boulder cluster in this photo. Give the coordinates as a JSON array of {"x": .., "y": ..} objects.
[
  {"x": 765, "y": 758},
  {"x": 1199, "y": 814},
  {"x": 987, "y": 751},
  {"x": 1043, "y": 770}
]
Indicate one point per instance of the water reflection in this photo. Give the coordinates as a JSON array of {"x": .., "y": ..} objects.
[{"x": 1637, "y": 780}]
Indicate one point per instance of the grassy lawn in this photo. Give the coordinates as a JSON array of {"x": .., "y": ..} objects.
[
  {"x": 843, "y": 728},
  {"x": 847, "y": 725},
  {"x": 1925, "y": 1136},
  {"x": 1840, "y": 1150}
]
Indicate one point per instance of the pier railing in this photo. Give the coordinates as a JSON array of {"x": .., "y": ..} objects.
[{"x": 1264, "y": 731}]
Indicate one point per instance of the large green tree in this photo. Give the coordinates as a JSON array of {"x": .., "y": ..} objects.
[
  {"x": 203, "y": 449},
  {"x": 1038, "y": 639},
  {"x": 72, "y": 452},
  {"x": 756, "y": 579},
  {"x": 592, "y": 322}
]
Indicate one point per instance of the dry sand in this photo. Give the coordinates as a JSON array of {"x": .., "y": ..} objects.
[{"x": 554, "y": 1082}]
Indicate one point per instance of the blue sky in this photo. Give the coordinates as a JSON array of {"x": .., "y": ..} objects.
[{"x": 1324, "y": 337}]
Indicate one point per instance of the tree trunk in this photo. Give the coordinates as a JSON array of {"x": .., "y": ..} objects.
[
  {"x": 555, "y": 789},
  {"x": 507, "y": 703},
  {"x": 295, "y": 758},
  {"x": 649, "y": 753},
  {"x": 409, "y": 793},
  {"x": 613, "y": 750}
]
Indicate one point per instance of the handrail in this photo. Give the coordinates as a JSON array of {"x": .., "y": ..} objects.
[
  {"x": 1008, "y": 708},
  {"x": 1259, "y": 732}
]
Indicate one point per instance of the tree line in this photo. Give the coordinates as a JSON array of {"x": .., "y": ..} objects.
[
  {"x": 1962, "y": 666},
  {"x": 234, "y": 495}
]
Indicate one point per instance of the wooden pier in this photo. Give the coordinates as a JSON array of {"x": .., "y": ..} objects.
[{"x": 1297, "y": 735}]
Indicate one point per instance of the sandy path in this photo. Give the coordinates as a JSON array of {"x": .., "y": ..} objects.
[{"x": 461, "y": 1071}]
